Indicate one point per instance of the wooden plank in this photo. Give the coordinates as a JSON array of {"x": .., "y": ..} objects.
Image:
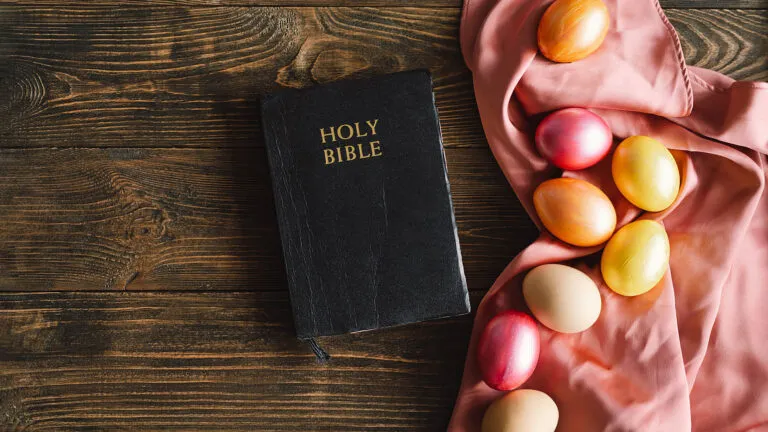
[
  {"x": 214, "y": 361},
  {"x": 734, "y": 42},
  {"x": 192, "y": 77},
  {"x": 715, "y": 4},
  {"x": 195, "y": 219}
]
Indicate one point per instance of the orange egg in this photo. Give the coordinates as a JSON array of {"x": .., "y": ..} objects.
[
  {"x": 570, "y": 30},
  {"x": 575, "y": 211}
]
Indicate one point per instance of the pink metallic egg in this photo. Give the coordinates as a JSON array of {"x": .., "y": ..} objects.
[
  {"x": 508, "y": 350},
  {"x": 573, "y": 138}
]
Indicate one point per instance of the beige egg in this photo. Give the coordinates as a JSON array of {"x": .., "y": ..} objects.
[
  {"x": 522, "y": 411},
  {"x": 562, "y": 298}
]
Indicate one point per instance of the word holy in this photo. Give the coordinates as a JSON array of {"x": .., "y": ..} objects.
[{"x": 353, "y": 151}]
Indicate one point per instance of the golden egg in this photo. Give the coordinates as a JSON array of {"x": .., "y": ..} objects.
[
  {"x": 636, "y": 258},
  {"x": 575, "y": 211},
  {"x": 646, "y": 173},
  {"x": 522, "y": 411},
  {"x": 562, "y": 298},
  {"x": 570, "y": 30}
]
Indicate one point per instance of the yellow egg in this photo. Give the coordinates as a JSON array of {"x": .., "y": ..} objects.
[
  {"x": 522, "y": 411},
  {"x": 562, "y": 298},
  {"x": 646, "y": 173},
  {"x": 635, "y": 258}
]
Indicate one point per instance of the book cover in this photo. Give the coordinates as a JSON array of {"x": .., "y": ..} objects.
[{"x": 363, "y": 203}]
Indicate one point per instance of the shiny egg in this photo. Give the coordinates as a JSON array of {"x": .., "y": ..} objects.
[
  {"x": 573, "y": 138},
  {"x": 646, "y": 173},
  {"x": 508, "y": 350},
  {"x": 562, "y": 298},
  {"x": 635, "y": 258},
  {"x": 522, "y": 410},
  {"x": 570, "y": 30},
  {"x": 575, "y": 211}
]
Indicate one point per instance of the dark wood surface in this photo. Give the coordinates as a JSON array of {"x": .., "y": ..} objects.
[
  {"x": 141, "y": 284},
  {"x": 191, "y": 77},
  {"x": 215, "y": 361},
  {"x": 700, "y": 4}
]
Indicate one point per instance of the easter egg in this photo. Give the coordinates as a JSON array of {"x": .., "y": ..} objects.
[
  {"x": 508, "y": 350},
  {"x": 646, "y": 173},
  {"x": 570, "y": 30},
  {"x": 573, "y": 138},
  {"x": 575, "y": 211},
  {"x": 562, "y": 298},
  {"x": 521, "y": 411},
  {"x": 635, "y": 258}
]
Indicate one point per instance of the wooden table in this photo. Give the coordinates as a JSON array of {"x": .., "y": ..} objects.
[{"x": 141, "y": 281}]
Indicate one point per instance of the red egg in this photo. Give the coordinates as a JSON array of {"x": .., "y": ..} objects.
[
  {"x": 573, "y": 138},
  {"x": 508, "y": 350}
]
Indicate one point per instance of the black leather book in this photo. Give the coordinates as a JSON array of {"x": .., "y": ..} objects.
[{"x": 363, "y": 203}]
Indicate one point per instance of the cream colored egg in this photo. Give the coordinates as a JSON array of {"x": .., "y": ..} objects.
[
  {"x": 522, "y": 411},
  {"x": 562, "y": 298}
]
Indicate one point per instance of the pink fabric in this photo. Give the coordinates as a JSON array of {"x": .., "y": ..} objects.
[{"x": 692, "y": 354}]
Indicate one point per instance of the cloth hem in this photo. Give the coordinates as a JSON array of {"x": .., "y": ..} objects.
[{"x": 680, "y": 58}]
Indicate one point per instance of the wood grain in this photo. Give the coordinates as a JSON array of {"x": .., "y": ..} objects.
[
  {"x": 715, "y": 4},
  {"x": 214, "y": 362},
  {"x": 739, "y": 50},
  {"x": 130, "y": 161},
  {"x": 719, "y": 4},
  {"x": 195, "y": 219},
  {"x": 192, "y": 77}
]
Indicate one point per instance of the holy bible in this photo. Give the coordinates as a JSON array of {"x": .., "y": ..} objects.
[{"x": 363, "y": 204}]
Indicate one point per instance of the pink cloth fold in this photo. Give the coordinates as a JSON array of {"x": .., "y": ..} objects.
[{"x": 691, "y": 354}]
